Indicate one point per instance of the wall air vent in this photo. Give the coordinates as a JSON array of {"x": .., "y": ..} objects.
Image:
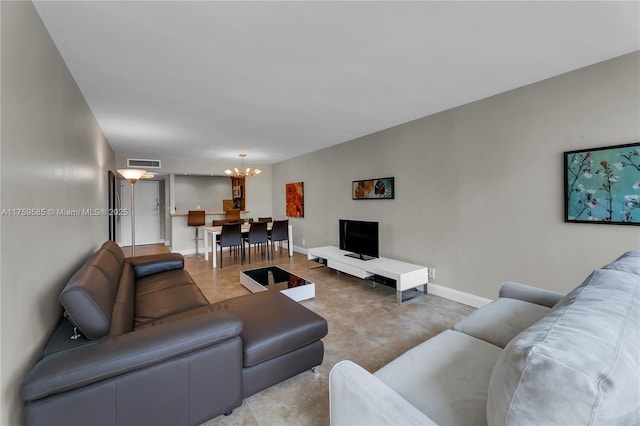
[{"x": 148, "y": 164}]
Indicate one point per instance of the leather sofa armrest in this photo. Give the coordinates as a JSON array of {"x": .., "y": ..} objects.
[
  {"x": 357, "y": 397},
  {"x": 113, "y": 356},
  {"x": 527, "y": 293},
  {"x": 156, "y": 263}
]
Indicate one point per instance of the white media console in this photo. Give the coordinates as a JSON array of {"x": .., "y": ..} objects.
[{"x": 407, "y": 276}]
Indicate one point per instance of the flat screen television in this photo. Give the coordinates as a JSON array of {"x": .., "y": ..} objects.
[{"x": 360, "y": 238}]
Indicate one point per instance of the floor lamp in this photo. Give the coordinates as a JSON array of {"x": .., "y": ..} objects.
[{"x": 132, "y": 175}]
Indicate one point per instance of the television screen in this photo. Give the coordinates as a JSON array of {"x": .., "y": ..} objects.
[{"x": 360, "y": 238}]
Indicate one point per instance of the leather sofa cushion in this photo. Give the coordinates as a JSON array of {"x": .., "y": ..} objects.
[
  {"x": 273, "y": 324},
  {"x": 156, "y": 263},
  {"x": 583, "y": 355},
  {"x": 501, "y": 320},
  {"x": 163, "y": 281},
  {"x": 165, "y": 294}
]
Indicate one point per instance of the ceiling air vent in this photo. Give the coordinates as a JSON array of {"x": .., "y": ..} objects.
[{"x": 149, "y": 164}]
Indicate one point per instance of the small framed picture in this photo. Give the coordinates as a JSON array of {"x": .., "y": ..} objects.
[{"x": 373, "y": 189}]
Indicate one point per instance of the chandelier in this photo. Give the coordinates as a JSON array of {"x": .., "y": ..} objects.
[{"x": 243, "y": 172}]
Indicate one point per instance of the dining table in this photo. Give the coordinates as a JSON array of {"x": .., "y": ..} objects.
[{"x": 210, "y": 233}]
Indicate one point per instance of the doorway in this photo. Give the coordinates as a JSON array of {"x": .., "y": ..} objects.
[{"x": 147, "y": 204}]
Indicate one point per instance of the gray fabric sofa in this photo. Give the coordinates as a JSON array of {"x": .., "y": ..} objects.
[
  {"x": 531, "y": 357},
  {"x": 139, "y": 344}
]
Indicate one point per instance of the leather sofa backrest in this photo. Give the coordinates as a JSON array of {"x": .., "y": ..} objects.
[
  {"x": 88, "y": 301},
  {"x": 89, "y": 296},
  {"x": 123, "y": 316},
  {"x": 115, "y": 250},
  {"x": 109, "y": 266}
]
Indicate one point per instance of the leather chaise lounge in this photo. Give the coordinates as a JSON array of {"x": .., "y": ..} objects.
[{"x": 140, "y": 344}]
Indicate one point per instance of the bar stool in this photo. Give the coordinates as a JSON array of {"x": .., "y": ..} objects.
[
  {"x": 196, "y": 218},
  {"x": 232, "y": 215}
]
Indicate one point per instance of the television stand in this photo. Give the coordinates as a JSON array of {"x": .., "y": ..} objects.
[
  {"x": 360, "y": 256},
  {"x": 410, "y": 280}
]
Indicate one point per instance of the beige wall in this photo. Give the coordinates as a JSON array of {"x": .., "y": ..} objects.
[
  {"x": 204, "y": 191},
  {"x": 479, "y": 188},
  {"x": 53, "y": 155}
]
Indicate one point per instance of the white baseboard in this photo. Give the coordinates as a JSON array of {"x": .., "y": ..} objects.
[
  {"x": 188, "y": 252},
  {"x": 457, "y": 295},
  {"x": 185, "y": 252}
]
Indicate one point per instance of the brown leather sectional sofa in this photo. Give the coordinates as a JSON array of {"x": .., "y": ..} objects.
[{"x": 140, "y": 344}]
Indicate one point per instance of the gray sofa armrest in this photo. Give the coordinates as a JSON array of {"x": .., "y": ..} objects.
[
  {"x": 156, "y": 263},
  {"x": 113, "y": 356},
  {"x": 357, "y": 397},
  {"x": 527, "y": 293}
]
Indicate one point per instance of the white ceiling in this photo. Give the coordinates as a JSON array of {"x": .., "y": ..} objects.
[{"x": 279, "y": 79}]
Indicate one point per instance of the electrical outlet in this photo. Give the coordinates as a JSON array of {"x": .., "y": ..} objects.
[
  {"x": 432, "y": 273},
  {"x": 303, "y": 242}
]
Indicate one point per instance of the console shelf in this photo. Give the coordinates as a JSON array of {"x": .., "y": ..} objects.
[{"x": 407, "y": 276}]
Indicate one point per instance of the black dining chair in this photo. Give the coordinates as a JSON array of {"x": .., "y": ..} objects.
[
  {"x": 279, "y": 233},
  {"x": 231, "y": 236},
  {"x": 259, "y": 238}
]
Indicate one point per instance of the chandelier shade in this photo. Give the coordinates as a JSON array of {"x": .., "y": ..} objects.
[{"x": 242, "y": 172}]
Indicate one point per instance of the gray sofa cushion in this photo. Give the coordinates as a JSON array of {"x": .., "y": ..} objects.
[
  {"x": 501, "y": 320},
  {"x": 446, "y": 377},
  {"x": 577, "y": 365}
]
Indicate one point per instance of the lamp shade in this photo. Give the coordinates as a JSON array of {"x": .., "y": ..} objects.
[{"x": 132, "y": 174}]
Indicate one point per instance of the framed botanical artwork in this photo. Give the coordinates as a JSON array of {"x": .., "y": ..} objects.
[
  {"x": 602, "y": 185},
  {"x": 295, "y": 199},
  {"x": 373, "y": 189}
]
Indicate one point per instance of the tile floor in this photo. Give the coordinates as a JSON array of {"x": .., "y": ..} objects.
[{"x": 365, "y": 325}]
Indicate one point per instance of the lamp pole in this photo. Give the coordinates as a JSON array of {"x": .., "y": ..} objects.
[{"x": 132, "y": 175}]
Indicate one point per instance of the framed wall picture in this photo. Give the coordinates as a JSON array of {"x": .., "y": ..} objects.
[
  {"x": 373, "y": 189},
  {"x": 602, "y": 185},
  {"x": 295, "y": 199}
]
